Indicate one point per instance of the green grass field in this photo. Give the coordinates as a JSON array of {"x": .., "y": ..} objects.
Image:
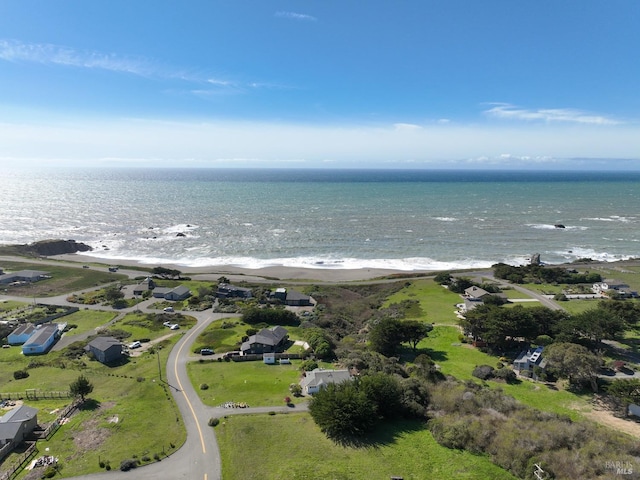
[
  {"x": 87, "y": 320},
  {"x": 63, "y": 279},
  {"x": 274, "y": 447},
  {"x": 254, "y": 383},
  {"x": 436, "y": 303},
  {"x": 459, "y": 360},
  {"x": 148, "y": 421}
]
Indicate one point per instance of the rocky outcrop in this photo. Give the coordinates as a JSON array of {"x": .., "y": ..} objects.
[
  {"x": 47, "y": 248},
  {"x": 535, "y": 259}
]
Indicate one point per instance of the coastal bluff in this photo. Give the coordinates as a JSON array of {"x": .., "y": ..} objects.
[{"x": 47, "y": 248}]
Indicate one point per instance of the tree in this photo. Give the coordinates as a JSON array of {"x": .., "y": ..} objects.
[
  {"x": 626, "y": 391},
  {"x": 342, "y": 411},
  {"x": 81, "y": 387},
  {"x": 386, "y": 336},
  {"x": 574, "y": 362},
  {"x": 595, "y": 324},
  {"x": 113, "y": 293},
  {"x": 413, "y": 331}
]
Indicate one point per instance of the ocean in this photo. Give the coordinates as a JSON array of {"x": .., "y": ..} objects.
[{"x": 333, "y": 219}]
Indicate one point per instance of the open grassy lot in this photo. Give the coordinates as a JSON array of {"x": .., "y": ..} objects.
[
  {"x": 130, "y": 412},
  {"x": 578, "y": 306},
  {"x": 436, "y": 304},
  {"x": 87, "y": 320},
  {"x": 459, "y": 360},
  {"x": 63, "y": 279},
  {"x": 291, "y": 446},
  {"x": 254, "y": 383},
  {"x": 8, "y": 305},
  {"x": 221, "y": 335}
]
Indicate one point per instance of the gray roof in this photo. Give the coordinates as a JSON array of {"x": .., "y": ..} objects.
[
  {"x": 180, "y": 290},
  {"x": 320, "y": 377},
  {"x": 104, "y": 343},
  {"x": 42, "y": 334},
  {"x": 24, "y": 328},
  {"x": 267, "y": 336},
  {"x": 19, "y": 414},
  {"x": 476, "y": 292},
  {"x": 28, "y": 274}
]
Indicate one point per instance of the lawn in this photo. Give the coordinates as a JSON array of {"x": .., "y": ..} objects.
[
  {"x": 254, "y": 383},
  {"x": 460, "y": 359},
  {"x": 436, "y": 303},
  {"x": 222, "y": 335},
  {"x": 273, "y": 447},
  {"x": 63, "y": 279},
  {"x": 146, "y": 414},
  {"x": 87, "y": 320}
]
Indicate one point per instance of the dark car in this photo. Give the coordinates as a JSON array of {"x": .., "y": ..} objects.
[{"x": 206, "y": 351}]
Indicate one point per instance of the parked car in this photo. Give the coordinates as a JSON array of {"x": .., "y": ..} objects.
[
  {"x": 167, "y": 324},
  {"x": 135, "y": 344},
  {"x": 168, "y": 309},
  {"x": 206, "y": 351},
  {"x": 175, "y": 326}
]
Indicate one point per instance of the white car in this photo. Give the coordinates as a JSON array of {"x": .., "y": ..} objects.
[
  {"x": 175, "y": 326},
  {"x": 135, "y": 344},
  {"x": 168, "y": 309},
  {"x": 167, "y": 324}
]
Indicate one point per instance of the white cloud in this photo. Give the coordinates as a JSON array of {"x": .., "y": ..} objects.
[
  {"x": 407, "y": 127},
  {"x": 549, "y": 115},
  {"x": 296, "y": 16},
  {"x": 44, "y": 53}
]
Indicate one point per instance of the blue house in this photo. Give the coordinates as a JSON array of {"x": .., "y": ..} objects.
[
  {"x": 21, "y": 334},
  {"x": 42, "y": 339}
]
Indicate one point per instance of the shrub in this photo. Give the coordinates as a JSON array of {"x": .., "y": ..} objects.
[
  {"x": 505, "y": 374},
  {"x": 204, "y": 386},
  {"x": 213, "y": 422},
  {"x": 18, "y": 374},
  {"x": 128, "y": 464},
  {"x": 483, "y": 372},
  {"x": 146, "y": 458},
  {"x": 50, "y": 472}
]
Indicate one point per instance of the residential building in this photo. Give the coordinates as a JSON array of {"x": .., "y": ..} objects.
[
  {"x": 226, "y": 290},
  {"x": 266, "y": 340},
  {"x": 42, "y": 339},
  {"x": 527, "y": 360},
  {"x": 319, "y": 378},
  {"x": 21, "y": 334},
  {"x": 106, "y": 350}
]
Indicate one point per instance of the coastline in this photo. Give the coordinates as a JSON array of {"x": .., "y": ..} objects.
[{"x": 213, "y": 272}]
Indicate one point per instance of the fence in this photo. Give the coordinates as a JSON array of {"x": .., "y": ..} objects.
[
  {"x": 14, "y": 469},
  {"x": 259, "y": 356},
  {"x": 33, "y": 395},
  {"x": 55, "y": 425}
]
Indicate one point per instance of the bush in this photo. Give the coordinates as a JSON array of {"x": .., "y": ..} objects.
[
  {"x": 483, "y": 372},
  {"x": 505, "y": 374},
  {"x": 204, "y": 386},
  {"x": 18, "y": 374},
  {"x": 50, "y": 472},
  {"x": 128, "y": 464},
  {"x": 213, "y": 422}
]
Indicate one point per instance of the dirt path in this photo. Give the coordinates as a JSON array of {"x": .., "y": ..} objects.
[{"x": 604, "y": 416}]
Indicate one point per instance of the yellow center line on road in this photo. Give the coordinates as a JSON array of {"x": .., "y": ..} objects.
[{"x": 175, "y": 366}]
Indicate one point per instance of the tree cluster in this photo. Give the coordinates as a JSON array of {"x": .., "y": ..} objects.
[
  {"x": 270, "y": 316},
  {"x": 166, "y": 272},
  {"x": 501, "y": 328},
  {"x": 388, "y": 334},
  {"x": 541, "y": 274},
  {"x": 320, "y": 343},
  {"x": 352, "y": 409}
]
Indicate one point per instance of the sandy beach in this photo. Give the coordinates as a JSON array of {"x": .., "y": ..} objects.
[{"x": 237, "y": 273}]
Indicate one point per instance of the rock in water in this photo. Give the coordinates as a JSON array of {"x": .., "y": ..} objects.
[
  {"x": 535, "y": 259},
  {"x": 55, "y": 247}
]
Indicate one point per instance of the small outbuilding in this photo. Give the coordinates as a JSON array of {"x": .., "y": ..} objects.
[{"x": 15, "y": 426}]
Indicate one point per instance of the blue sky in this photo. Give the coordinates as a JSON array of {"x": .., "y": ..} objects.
[{"x": 391, "y": 84}]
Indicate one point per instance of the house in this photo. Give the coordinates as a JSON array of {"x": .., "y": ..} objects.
[
  {"x": 527, "y": 360},
  {"x": 475, "y": 293},
  {"x": 42, "y": 339},
  {"x": 15, "y": 426},
  {"x": 178, "y": 293},
  {"x": 27, "y": 276},
  {"x": 292, "y": 298},
  {"x": 226, "y": 290},
  {"x": 161, "y": 292},
  {"x": 266, "y": 340},
  {"x": 319, "y": 378},
  {"x": 143, "y": 286},
  {"x": 21, "y": 334},
  {"x": 608, "y": 287},
  {"x": 106, "y": 349}
]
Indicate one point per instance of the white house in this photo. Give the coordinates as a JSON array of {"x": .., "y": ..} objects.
[{"x": 320, "y": 378}]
